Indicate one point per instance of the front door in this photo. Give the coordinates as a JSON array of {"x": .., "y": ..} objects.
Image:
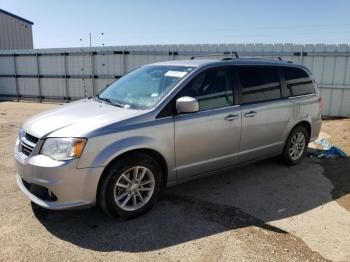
[{"x": 209, "y": 139}]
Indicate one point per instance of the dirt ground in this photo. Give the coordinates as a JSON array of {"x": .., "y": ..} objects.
[
  {"x": 260, "y": 212},
  {"x": 339, "y": 131}
]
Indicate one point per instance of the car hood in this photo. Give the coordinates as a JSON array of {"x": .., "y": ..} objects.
[{"x": 76, "y": 119}]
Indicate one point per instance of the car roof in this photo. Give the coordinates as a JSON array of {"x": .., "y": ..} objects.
[{"x": 234, "y": 61}]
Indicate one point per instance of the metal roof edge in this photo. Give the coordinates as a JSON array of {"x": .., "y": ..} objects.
[{"x": 16, "y": 16}]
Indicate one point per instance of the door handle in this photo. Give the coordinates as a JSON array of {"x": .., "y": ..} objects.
[
  {"x": 250, "y": 114},
  {"x": 231, "y": 117}
]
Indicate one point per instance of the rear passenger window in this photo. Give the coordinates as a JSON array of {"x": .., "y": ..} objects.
[
  {"x": 298, "y": 82},
  {"x": 211, "y": 88},
  {"x": 259, "y": 84}
]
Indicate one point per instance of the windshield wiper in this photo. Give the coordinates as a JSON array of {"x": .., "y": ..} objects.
[{"x": 110, "y": 101}]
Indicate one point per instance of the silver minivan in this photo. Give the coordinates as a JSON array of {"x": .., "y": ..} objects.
[{"x": 163, "y": 124}]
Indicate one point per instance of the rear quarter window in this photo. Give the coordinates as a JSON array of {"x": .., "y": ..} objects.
[{"x": 298, "y": 82}]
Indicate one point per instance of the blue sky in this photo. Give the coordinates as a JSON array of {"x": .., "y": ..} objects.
[{"x": 63, "y": 23}]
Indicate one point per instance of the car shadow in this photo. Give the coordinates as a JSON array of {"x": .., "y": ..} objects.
[{"x": 252, "y": 195}]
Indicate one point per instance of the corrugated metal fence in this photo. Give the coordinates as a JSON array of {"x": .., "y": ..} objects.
[{"x": 72, "y": 73}]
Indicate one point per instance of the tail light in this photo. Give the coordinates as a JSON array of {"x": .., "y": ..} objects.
[{"x": 320, "y": 104}]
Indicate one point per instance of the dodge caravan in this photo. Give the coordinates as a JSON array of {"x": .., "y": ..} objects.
[{"x": 163, "y": 124}]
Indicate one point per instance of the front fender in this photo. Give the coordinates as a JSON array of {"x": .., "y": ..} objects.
[
  {"x": 111, "y": 151},
  {"x": 157, "y": 135},
  {"x": 122, "y": 146}
]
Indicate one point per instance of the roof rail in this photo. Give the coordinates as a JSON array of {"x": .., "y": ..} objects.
[
  {"x": 268, "y": 58},
  {"x": 232, "y": 53}
]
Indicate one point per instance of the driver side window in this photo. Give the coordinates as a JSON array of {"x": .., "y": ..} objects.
[{"x": 211, "y": 88}]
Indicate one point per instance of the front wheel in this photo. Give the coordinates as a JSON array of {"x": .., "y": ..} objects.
[
  {"x": 296, "y": 146},
  {"x": 130, "y": 186}
]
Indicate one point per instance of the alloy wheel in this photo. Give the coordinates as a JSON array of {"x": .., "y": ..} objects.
[
  {"x": 134, "y": 188},
  {"x": 297, "y": 146}
]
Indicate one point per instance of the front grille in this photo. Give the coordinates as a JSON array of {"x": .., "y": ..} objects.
[
  {"x": 26, "y": 184},
  {"x": 31, "y": 138},
  {"x": 28, "y": 143},
  {"x": 26, "y": 150},
  {"x": 40, "y": 191}
]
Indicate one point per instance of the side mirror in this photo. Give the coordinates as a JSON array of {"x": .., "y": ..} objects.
[{"x": 187, "y": 104}]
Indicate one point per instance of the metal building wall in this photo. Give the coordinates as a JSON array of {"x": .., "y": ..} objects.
[
  {"x": 15, "y": 33},
  {"x": 73, "y": 73}
]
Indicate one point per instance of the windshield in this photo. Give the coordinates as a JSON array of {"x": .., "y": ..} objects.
[{"x": 144, "y": 87}]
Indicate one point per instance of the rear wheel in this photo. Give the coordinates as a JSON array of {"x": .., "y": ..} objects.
[
  {"x": 296, "y": 146},
  {"x": 130, "y": 186}
]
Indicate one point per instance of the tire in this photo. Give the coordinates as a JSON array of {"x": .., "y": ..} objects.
[
  {"x": 124, "y": 195},
  {"x": 293, "y": 151}
]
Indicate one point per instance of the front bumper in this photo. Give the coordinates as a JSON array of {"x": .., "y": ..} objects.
[{"x": 71, "y": 187}]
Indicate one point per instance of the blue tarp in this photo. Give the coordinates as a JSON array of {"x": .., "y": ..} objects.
[{"x": 329, "y": 150}]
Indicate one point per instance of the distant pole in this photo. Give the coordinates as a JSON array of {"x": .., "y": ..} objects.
[
  {"x": 90, "y": 39},
  {"x": 102, "y": 39}
]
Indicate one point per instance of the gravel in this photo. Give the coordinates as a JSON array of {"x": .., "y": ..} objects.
[{"x": 259, "y": 212}]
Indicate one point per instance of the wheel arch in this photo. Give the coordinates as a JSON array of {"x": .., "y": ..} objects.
[
  {"x": 304, "y": 124},
  {"x": 285, "y": 156},
  {"x": 151, "y": 152}
]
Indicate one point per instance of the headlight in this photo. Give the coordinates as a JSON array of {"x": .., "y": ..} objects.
[
  {"x": 21, "y": 133},
  {"x": 63, "y": 148}
]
